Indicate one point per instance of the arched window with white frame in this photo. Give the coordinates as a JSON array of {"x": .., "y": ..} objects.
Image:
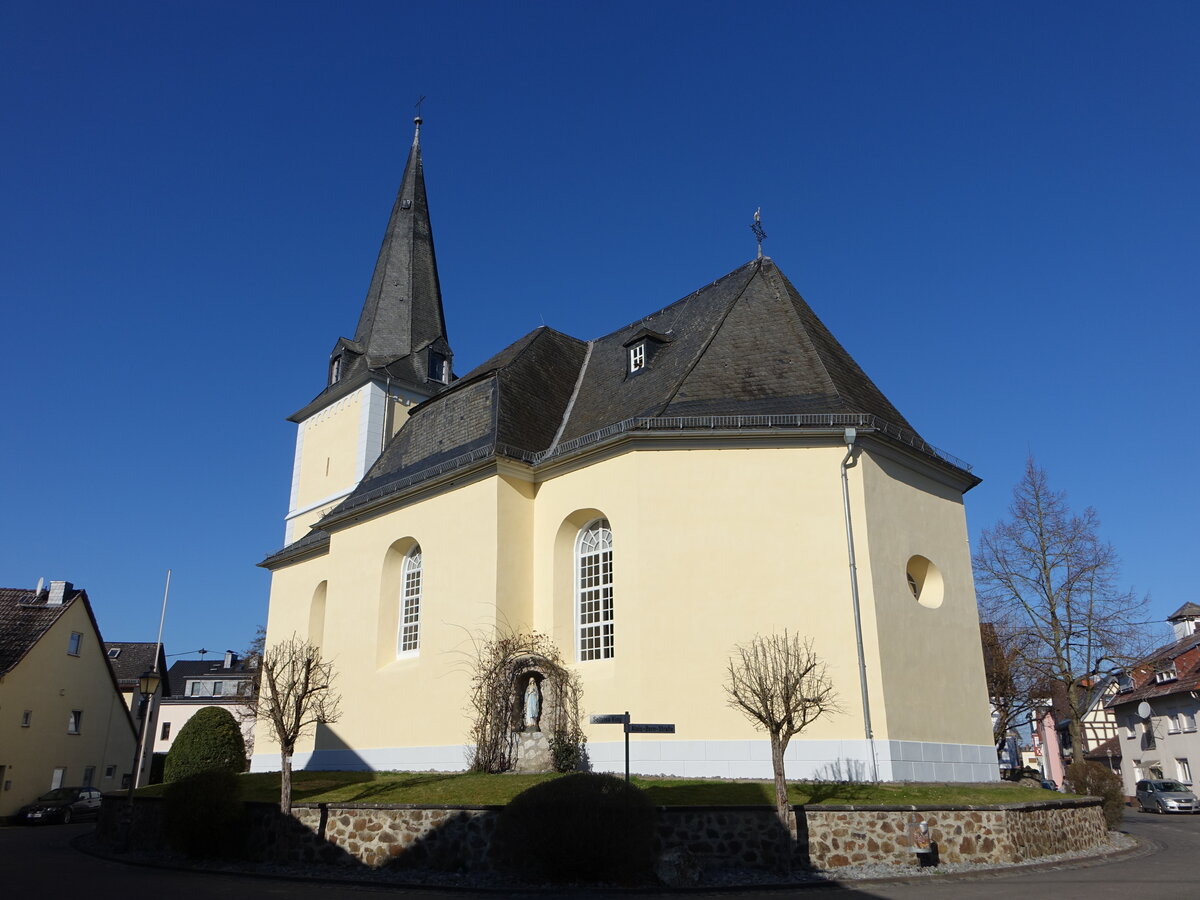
[
  {"x": 409, "y": 638},
  {"x": 594, "y": 591}
]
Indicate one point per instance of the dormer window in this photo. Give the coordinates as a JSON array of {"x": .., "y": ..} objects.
[
  {"x": 637, "y": 357},
  {"x": 641, "y": 349},
  {"x": 439, "y": 367},
  {"x": 1167, "y": 673},
  {"x": 335, "y": 369}
]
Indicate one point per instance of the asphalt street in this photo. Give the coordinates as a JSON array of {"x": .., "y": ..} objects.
[{"x": 41, "y": 862}]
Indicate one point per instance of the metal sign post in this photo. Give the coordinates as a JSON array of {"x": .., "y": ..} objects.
[{"x": 631, "y": 728}]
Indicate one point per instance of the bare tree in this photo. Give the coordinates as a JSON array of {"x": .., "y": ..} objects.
[
  {"x": 1011, "y": 691},
  {"x": 1045, "y": 576},
  {"x": 780, "y": 684},
  {"x": 295, "y": 694}
]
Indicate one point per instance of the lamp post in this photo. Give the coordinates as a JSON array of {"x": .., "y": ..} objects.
[{"x": 148, "y": 683}]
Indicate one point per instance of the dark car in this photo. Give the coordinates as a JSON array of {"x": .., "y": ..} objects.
[{"x": 61, "y": 805}]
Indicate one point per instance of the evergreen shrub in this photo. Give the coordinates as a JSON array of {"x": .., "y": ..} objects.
[
  {"x": 581, "y": 827},
  {"x": 203, "y": 814},
  {"x": 1097, "y": 780},
  {"x": 211, "y": 739}
]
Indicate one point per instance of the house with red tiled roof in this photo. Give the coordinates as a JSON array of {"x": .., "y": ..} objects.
[{"x": 1158, "y": 704}]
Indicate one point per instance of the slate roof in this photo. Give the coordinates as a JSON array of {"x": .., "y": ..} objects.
[
  {"x": 183, "y": 669},
  {"x": 24, "y": 618},
  {"x": 135, "y": 658},
  {"x": 1187, "y": 611},
  {"x": 746, "y": 348},
  {"x": 402, "y": 318}
]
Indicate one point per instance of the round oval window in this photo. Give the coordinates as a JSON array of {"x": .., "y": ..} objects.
[{"x": 925, "y": 582}]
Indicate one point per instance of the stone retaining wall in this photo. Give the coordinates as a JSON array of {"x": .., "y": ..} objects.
[{"x": 458, "y": 838}]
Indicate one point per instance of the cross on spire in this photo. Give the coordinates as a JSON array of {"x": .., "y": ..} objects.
[{"x": 757, "y": 228}]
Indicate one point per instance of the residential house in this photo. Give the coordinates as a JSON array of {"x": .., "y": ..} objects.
[
  {"x": 226, "y": 682},
  {"x": 719, "y": 468},
  {"x": 62, "y": 719},
  {"x": 1157, "y": 706},
  {"x": 129, "y": 661}
]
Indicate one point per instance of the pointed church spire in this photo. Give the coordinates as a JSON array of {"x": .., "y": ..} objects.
[{"x": 402, "y": 314}]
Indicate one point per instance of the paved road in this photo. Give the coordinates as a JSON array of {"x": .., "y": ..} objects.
[{"x": 40, "y": 862}]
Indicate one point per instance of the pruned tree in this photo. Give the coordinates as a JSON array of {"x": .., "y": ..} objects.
[
  {"x": 295, "y": 694},
  {"x": 1011, "y": 690},
  {"x": 1045, "y": 576},
  {"x": 780, "y": 684}
]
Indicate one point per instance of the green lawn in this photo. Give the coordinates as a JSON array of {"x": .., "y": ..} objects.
[{"x": 465, "y": 789}]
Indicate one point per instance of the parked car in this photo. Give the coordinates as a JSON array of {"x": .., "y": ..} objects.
[
  {"x": 1049, "y": 785},
  {"x": 1163, "y": 796},
  {"x": 61, "y": 805}
]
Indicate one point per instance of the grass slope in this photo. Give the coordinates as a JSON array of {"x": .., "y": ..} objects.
[{"x": 468, "y": 789}]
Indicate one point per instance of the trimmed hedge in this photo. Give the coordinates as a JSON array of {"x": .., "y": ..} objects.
[
  {"x": 209, "y": 740},
  {"x": 581, "y": 827}
]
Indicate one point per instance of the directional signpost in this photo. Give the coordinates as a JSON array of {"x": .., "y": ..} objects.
[{"x": 631, "y": 728}]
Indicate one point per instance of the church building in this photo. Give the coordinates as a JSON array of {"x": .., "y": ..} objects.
[{"x": 719, "y": 469}]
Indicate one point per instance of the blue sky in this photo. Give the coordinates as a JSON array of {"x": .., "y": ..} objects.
[{"x": 993, "y": 206}]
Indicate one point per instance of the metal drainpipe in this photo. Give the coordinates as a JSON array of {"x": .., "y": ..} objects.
[{"x": 850, "y": 435}]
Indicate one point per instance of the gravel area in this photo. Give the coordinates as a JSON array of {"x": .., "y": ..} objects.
[{"x": 712, "y": 877}]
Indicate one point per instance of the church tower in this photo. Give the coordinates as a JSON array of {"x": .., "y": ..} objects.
[{"x": 399, "y": 356}]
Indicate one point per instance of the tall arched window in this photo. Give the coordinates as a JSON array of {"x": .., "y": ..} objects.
[
  {"x": 594, "y": 591},
  {"x": 409, "y": 641}
]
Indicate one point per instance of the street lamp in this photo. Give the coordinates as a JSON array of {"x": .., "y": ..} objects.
[{"x": 148, "y": 683}]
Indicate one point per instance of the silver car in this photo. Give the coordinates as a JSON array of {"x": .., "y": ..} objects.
[{"x": 1164, "y": 796}]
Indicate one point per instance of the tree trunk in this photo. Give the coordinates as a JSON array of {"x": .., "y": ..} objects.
[
  {"x": 285, "y": 783},
  {"x": 782, "y": 808},
  {"x": 1077, "y": 748}
]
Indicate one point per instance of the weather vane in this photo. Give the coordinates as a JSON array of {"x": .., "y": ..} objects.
[{"x": 757, "y": 228}]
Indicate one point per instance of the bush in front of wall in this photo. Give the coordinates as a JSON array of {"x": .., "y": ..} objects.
[
  {"x": 211, "y": 739},
  {"x": 581, "y": 827},
  {"x": 1097, "y": 780},
  {"x": 203, "y": 815}
]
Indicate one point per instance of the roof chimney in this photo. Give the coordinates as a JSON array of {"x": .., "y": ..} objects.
[
  {"x": 58, "y": 592},
  {"x": 230, "y": 659}
]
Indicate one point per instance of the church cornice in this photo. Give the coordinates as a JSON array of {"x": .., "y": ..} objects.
[{"x": 655, "y": 434}]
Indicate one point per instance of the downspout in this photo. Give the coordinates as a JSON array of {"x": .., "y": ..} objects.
[
  {"x": 387, "y": 415},
  {"x": 849, "y": 460}
]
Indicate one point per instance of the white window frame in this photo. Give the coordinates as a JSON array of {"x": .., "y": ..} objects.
[
  {"x": 1189, "y": 721},
  {"x": 58, "y": 777},
  {"x": 218, "y": 689},
  {"x": 74, "y": 643},
  {"x": 1173, "y": 726},
  {"x": 1166, "y": 674},
  {"x": 595, "y": 629},
  {"x": 1130, "y": 728},
  {"x": 196, "y": 689},
  {"x": 637, "y": 357},
  {"x": 27, "y": 718},
  {"x": 412, "y": 588},
  {"x": 1184, "y": 768},
  {"x": 110, "y": 771},
  {"x": 74, "y": 720}
]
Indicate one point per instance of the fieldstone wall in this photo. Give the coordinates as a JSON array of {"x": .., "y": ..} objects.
[
  {"x": 823, "y": 837},
  {"x": 841, "y": 836}
]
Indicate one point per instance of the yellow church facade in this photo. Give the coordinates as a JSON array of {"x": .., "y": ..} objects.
[{"x": 720, "y": 469}]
